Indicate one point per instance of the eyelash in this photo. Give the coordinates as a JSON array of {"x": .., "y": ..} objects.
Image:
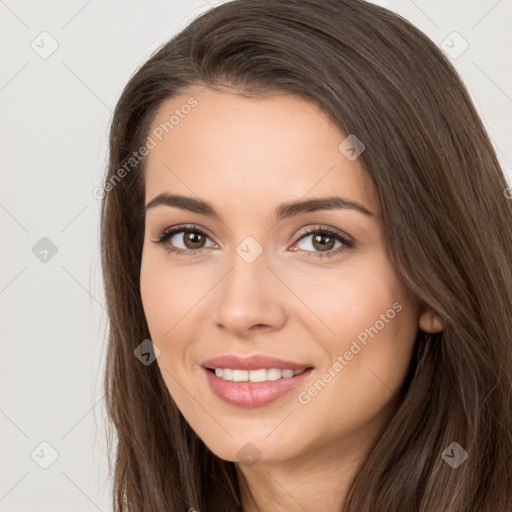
[{"x": 169, "y": 233}]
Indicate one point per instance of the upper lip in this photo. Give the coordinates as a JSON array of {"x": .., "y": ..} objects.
[{"x": 254, "y": 362}]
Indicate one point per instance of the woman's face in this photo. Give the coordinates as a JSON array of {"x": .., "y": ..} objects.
[{"x": 254, "y": 282}]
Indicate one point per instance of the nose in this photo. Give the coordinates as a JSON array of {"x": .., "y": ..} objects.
[{"x": 249, "y": 298}]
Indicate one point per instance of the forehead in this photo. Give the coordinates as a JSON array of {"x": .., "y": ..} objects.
[{"x": 250, "y": 151}]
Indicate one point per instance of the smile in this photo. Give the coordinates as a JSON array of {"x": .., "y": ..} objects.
[
  {"x": 259, "y": 375},
  {"x": 241, "y": 391}
]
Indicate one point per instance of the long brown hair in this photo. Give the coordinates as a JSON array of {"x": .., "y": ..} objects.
[{"x": 448, "y": 230}]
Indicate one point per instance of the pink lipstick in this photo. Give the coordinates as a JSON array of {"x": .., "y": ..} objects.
[{"x": 253, "y": 381}]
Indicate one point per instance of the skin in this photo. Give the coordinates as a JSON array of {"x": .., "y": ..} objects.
[{"x": 246, "y": 156}]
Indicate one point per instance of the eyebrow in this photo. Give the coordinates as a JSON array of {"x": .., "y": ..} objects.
[{"x": 283, "y": 211}]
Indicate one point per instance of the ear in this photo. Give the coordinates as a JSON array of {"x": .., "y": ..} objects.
[{"x": 431, "y": 322}]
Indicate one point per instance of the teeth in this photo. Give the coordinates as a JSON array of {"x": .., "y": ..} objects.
[
  {"x": 240, "y": 375},
  {"x": 261, "y": 375}
]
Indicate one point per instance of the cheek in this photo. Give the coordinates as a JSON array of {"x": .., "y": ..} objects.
[
  {"x": 368, "y": 356},
  {"x": 171, "y": 299},
  {"x": 166, "y": 292},
  {"x": 368, "y": 322},
  {"x": 164, "y": 306},
  {"x": 154, "y": 298},
  {"x": 348, "y": 300}
]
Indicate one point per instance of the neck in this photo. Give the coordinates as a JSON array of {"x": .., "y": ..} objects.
[
  {"x": 314, "y": 483},
  {"x": 318, "y": 478}
]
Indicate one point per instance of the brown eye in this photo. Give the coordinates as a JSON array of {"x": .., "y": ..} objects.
[
  {"x": 192, "y": 240},
  {"x": 323, "y": 242}
]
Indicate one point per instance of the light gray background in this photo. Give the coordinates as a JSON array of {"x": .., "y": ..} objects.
[{"x": 54, "y": 117}]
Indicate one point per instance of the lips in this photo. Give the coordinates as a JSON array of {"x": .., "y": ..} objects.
[
  {"x": 254, "y": 362},
  {"x": 253, "y": 394}
]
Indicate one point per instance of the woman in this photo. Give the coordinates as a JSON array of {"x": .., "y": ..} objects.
[{"x": 247, "y": 370}]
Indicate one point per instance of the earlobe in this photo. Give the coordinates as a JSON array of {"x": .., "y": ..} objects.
[{"x": 431, "y": 322}]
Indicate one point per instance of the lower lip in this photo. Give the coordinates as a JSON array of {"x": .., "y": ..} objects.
[{"x": 253, "y": 394}]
